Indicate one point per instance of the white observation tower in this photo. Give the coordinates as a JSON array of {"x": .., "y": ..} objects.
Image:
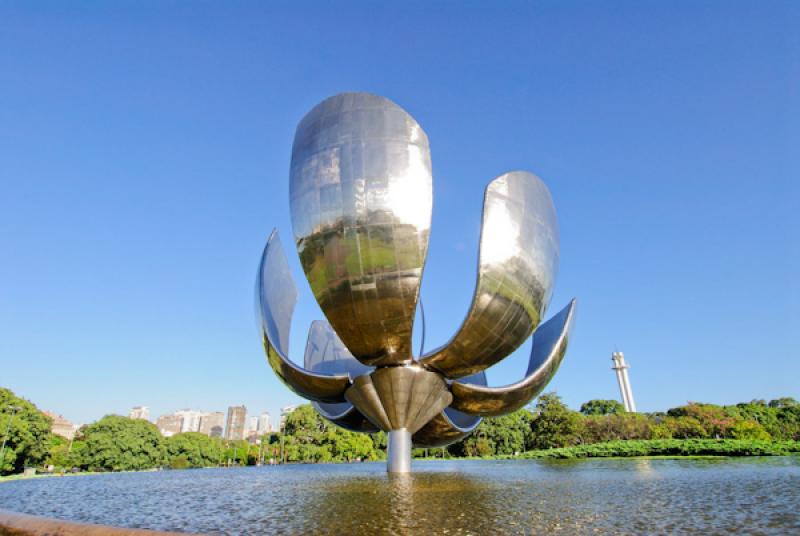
[{"x": 621, "y": 368}]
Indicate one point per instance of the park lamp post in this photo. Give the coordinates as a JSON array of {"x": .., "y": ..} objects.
[{"x": 14, "y": 410}]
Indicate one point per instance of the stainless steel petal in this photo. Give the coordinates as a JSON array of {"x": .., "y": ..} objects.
[
  {"x": 325, "y": 354},
  {"x": 276, "y": 296},
  {"x": 549, "y": 347},
  {"x": 348, "y": 418},
  {"x": 519, "y": 253},
  {"x": 445, "y": 428},
  {"x": 361, "y": 200}
]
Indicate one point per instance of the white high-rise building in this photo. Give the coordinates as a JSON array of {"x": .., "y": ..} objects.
[
  {"x": 264, "y": 423},
  {"x": 191, "y": 419},
  {"x": 251, "y": 428},
  {"x": 285, "y": 411},
  {"x": 139, "y": 412},
  {"x": 621, "y": 368}
]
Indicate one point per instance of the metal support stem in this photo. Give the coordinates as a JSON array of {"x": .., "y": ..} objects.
[{"x": 398, "y": 451}]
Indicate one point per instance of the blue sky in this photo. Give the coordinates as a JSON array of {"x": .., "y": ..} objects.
[{"x": 144, "y": 158}]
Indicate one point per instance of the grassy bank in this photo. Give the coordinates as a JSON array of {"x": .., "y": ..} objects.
[{"x": 670, "y": 447}]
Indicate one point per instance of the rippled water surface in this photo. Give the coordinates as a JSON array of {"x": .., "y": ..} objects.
[{"x": 635, "y": 496}]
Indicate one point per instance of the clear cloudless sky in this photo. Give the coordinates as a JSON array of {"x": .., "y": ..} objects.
[{"x": 144, "y": 159}]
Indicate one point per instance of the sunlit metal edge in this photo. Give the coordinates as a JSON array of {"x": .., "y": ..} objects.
[
  {"x": 316, "y": 387},
  {"x": 431, "y": 359},
  {"x": 493, "y": 401}
]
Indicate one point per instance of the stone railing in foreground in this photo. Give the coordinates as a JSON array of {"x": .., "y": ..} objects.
[{"x": 14, "y": 524}]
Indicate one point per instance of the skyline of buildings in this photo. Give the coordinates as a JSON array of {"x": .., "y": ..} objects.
[{"x": 237, "y": 424}]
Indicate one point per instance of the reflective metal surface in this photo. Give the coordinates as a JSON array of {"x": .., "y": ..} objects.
[
  {"x": 325, "y": 354},
  {"x": 442, "y": 430},
  {"x": 398, "y": 451},
  {"x": 361, "y": 200},
  {"x": 399, "y": 397},
  {"x": 276, "y": 297},
  {"x": 549, "y": 347},
  {"x": 450, "y": 425},
  {"x": 518, "y": 263}
]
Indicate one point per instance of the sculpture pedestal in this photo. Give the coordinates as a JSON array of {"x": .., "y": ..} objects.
[{"x": 398, "y": 451}]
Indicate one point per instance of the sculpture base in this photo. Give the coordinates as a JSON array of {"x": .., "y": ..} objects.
[{"x": 398, "y": 451}]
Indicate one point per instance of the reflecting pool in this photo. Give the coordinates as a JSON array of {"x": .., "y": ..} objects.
[{"x": 630, "y": 496}]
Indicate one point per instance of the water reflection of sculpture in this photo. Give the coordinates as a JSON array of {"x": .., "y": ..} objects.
[{"x": 361, "y": 202}]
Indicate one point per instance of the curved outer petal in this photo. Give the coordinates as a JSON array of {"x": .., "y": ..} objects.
[
  {"x": 516, "y": 272},
  {"x": 450, "y": 425},
  {"x": 276, "y": 297},
  {"x": 361, "y": 200},
  {"x": 349, "y": 418},
  {"x": 325, "y": 354},
  {"x": 549, "y": 347}
]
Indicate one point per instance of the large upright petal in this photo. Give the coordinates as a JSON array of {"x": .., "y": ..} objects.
[
  {"x": 276, "y": 297},
  {"x": 517, "y": 268},
  {"x": 361, "y": 200}
]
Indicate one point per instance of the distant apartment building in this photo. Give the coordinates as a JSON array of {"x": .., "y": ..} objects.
[
  {"x": 191, "y": 419},
  {"x": 264, "y": 424},
  {"x": 170, "y": 424},
  {"x": 235, "y": 425},
  {"x": 252, "y": 426},
  {"x": 139, "y": 412},
  {"x": 61, "y": 426},
  {"x": 285, "y": 411},
  {"x": 212, "y": 424}
]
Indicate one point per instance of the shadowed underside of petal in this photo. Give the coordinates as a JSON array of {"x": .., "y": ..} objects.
[
  {"x": 444, "y": 429},
  {"x": 518, "y": 262},
  {"x": 348, "y": 417},
  {"x": 549, "y": 347},
  {"x": 276, "y": 296},
  {"x": 325, "y": 354},
  {"x": 361, "y": 200}
]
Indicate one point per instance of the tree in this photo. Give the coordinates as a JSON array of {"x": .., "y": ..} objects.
[
  {"x": 310, "y": 438},
  {"x": 26, "y": 432},
  {"x": 685, "y": 427},
  {"x": 602, "y": 407},
  {"x": 193, "y": 449},
  {"x": 785, "y": 402},
  {"x": 117, "y": 443},
  {"x": 744, "y": 429},
  {"x": 714, "y": 420},
  {"x": 554, "y": 424},
  {"x": 597, "y": 428}
]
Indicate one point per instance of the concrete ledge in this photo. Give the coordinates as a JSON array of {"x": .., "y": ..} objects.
[{"x": 14, "y": 524}]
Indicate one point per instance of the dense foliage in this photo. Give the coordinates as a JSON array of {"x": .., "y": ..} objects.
[
  {"x": 193, "y": 449},
  {"x": 548, "y": 429},
  {"x": 672, "y": 447},
  {"x": 25, "y": 431},
  {"x": 310, "y": 438},
  {"x": 117, "y": 443},
  {"x": 602, "y": 407}
]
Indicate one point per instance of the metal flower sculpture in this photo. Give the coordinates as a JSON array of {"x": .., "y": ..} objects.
[{"x": 361, "y": 202}]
